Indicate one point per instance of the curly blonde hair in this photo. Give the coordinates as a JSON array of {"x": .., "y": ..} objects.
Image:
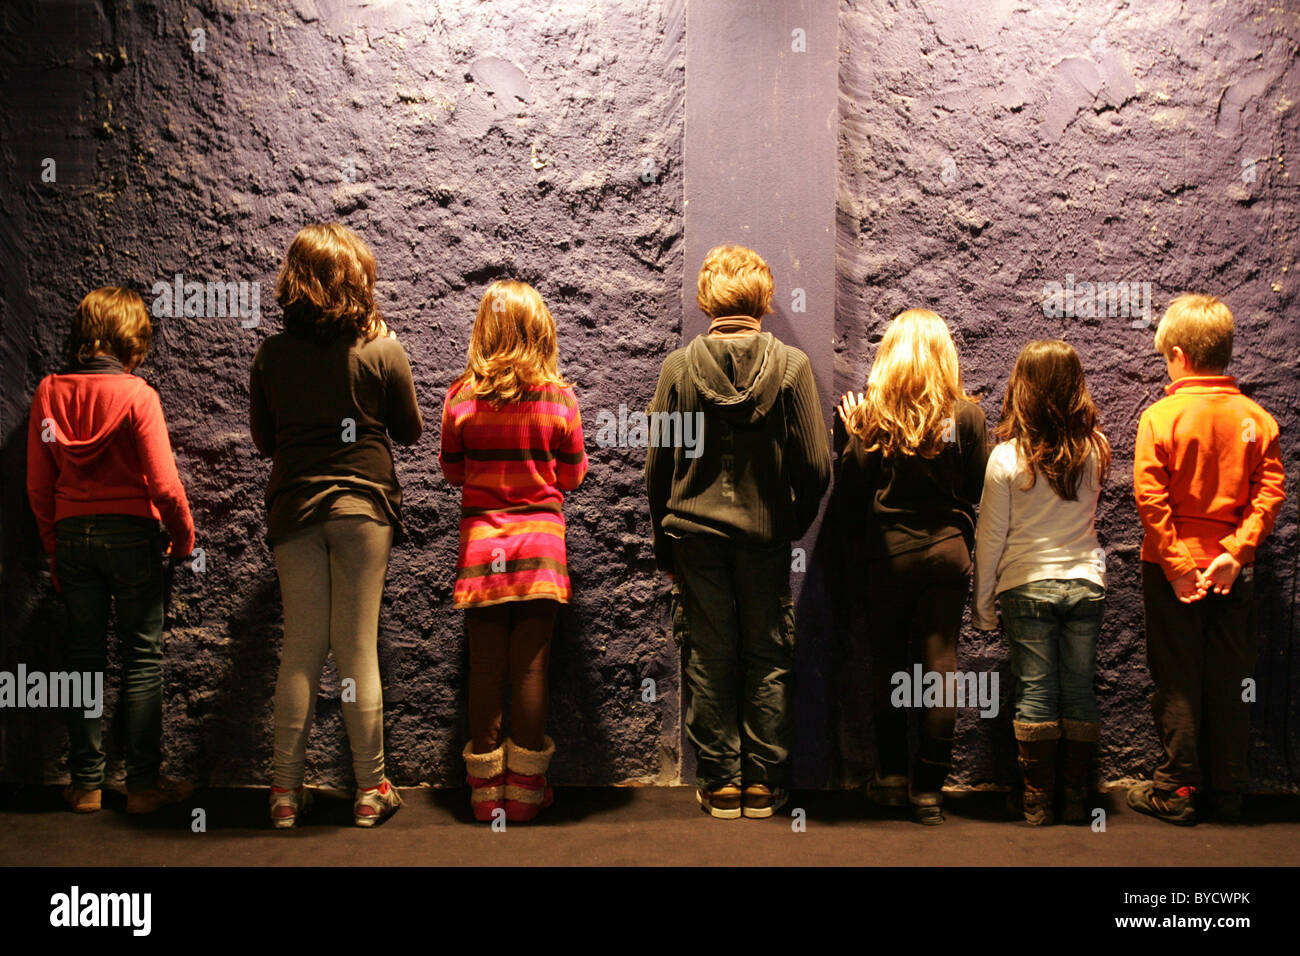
[
  {"x": 513, "y": 347},
  {"x": 326, "y": 286},
  {"x": 912, "y": 389}
]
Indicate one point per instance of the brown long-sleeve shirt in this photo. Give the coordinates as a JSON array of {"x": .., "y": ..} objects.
[{"x": 324, "y": 414}]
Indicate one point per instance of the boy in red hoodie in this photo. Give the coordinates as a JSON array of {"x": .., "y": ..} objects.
[
  {"x": 100, "y": 476},
  {"x": 1208, "y": 479}
]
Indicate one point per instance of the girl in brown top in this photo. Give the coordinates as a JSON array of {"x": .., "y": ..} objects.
[{"x": 326, "y": 396}]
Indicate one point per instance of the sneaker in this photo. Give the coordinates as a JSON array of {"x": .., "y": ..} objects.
[
  {"x": 82, "y": 801},
  {"x": 163, "y": 793},
  {"x": 761, "y": 801},
  {"x": 722, "y": 802},
  {"x": 927, "y": 808},
  {"x": 375, "y": 805},
  {"x": 1174, "y": 807},
  {"x": 1225, "y": 805},
  {"x": 287, "y": 806},
  {"x": 887, "y": 791}
]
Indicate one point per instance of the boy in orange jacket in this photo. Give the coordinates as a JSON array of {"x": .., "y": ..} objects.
[{"x": 1208, "y": 479}]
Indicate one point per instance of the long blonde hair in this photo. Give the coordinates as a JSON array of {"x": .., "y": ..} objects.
[
  {"x": 912, "y": 389},
  {"x": 513, "y": 346}
]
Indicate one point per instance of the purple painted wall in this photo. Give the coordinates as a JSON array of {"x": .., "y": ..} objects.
[
  {"x": 984, "y": 150},
  {"x": 989, "y": 148},
  {"x": 463, "y": 141}
]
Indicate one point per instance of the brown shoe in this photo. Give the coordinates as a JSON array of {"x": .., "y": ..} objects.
[
  {"x": 163, "y": 793},
  {"x": 761, "y": 801},
  {"x": 722, "y": 802},
  {"x": 82, "y": 801}
]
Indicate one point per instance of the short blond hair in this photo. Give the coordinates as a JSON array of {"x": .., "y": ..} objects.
[
  {"x": 734, "y": 281},
  {"x": 111, "y": 320},
  {"x": 1200, "y": 325}
]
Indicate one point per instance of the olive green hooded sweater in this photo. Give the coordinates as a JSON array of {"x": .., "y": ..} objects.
[{"x": 762, "y": 462}]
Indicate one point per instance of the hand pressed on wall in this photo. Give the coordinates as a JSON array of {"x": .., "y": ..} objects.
[{"x": 847, "y": 404}]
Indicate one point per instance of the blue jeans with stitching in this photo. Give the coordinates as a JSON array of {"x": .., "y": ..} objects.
[
  {"x": 104, "y": 562},
  {"x": 1052, "y": 626}
]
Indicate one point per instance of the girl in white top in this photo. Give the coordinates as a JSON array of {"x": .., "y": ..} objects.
[{"x": 1037, "y": 550}]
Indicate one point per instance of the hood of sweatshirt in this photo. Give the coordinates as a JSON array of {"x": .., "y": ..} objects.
[
  {"x": 740, "y": 376},
  {"x": 86, "y": 418}
]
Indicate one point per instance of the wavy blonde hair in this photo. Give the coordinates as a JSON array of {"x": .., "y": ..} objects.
[
  {"x": 326, "y": 286},
  {"x": 513, "y": 347},
  {"x": 912, "y": 389}
]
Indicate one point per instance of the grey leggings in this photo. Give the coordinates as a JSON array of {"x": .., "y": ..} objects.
[{"x": 331, "y": 581}]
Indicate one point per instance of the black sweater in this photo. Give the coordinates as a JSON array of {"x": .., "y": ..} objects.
[
  {"x": 904, "y": 502},
  {"x": 763, "y": 462}
]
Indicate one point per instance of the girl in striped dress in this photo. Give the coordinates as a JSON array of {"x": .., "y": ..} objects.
[{"x": 512, "y": 440}]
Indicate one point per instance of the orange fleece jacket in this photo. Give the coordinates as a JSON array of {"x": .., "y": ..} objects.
[
  {"x": 1207, "y": 475},
  {"x": 97, "y": 444}
]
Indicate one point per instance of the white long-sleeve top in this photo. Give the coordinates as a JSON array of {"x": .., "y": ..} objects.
[{"x": 1032, "y": 535}]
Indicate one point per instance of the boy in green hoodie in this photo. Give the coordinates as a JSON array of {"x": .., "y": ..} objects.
[{"x": 724, "y": 512}]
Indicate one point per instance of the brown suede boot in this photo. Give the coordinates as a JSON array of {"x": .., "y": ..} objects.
[
  {"x": 1038, "y": 745},
  {"x": 1078, "y": 741}
]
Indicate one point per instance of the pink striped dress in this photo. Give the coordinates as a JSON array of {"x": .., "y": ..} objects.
[{"x": 513, "y": 464}]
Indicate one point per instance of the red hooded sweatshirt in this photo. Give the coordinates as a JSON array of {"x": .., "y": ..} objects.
[{"x": 97, "y": 444}]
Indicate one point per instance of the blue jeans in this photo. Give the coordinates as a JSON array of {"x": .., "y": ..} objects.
[
  {"x": 118, "y": 560},
  {"x": 1052, "y": 626}
]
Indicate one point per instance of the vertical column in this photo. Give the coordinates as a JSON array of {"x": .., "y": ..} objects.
[{"x": 759, "y": 161}]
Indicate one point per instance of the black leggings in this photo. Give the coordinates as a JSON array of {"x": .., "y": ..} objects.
[
  {"x": 916, "y": 596},
  {"x": 509, "y": 646}
]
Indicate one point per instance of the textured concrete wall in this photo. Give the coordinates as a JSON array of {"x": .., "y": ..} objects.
[
  {"x": 464, "y": 141},
  {"x": 989, "y": 148},
  {"x": 985, "y": 150}
]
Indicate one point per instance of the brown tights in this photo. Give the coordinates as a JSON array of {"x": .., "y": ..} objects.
[{"x": 509, "y": 647}]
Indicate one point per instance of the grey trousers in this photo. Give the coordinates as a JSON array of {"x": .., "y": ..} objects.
[{"x": 331, "y": 581}]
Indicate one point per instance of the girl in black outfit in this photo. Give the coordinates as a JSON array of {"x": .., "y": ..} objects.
[{"x": 911, "y": 473}]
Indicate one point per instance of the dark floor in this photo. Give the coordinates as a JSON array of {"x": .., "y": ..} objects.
[{"x": 624, "y": 826}]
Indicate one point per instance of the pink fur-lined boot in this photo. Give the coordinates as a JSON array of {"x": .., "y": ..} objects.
[
  {"x": 527, "y": 792},
  {"x": 486, "y": 774}
]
